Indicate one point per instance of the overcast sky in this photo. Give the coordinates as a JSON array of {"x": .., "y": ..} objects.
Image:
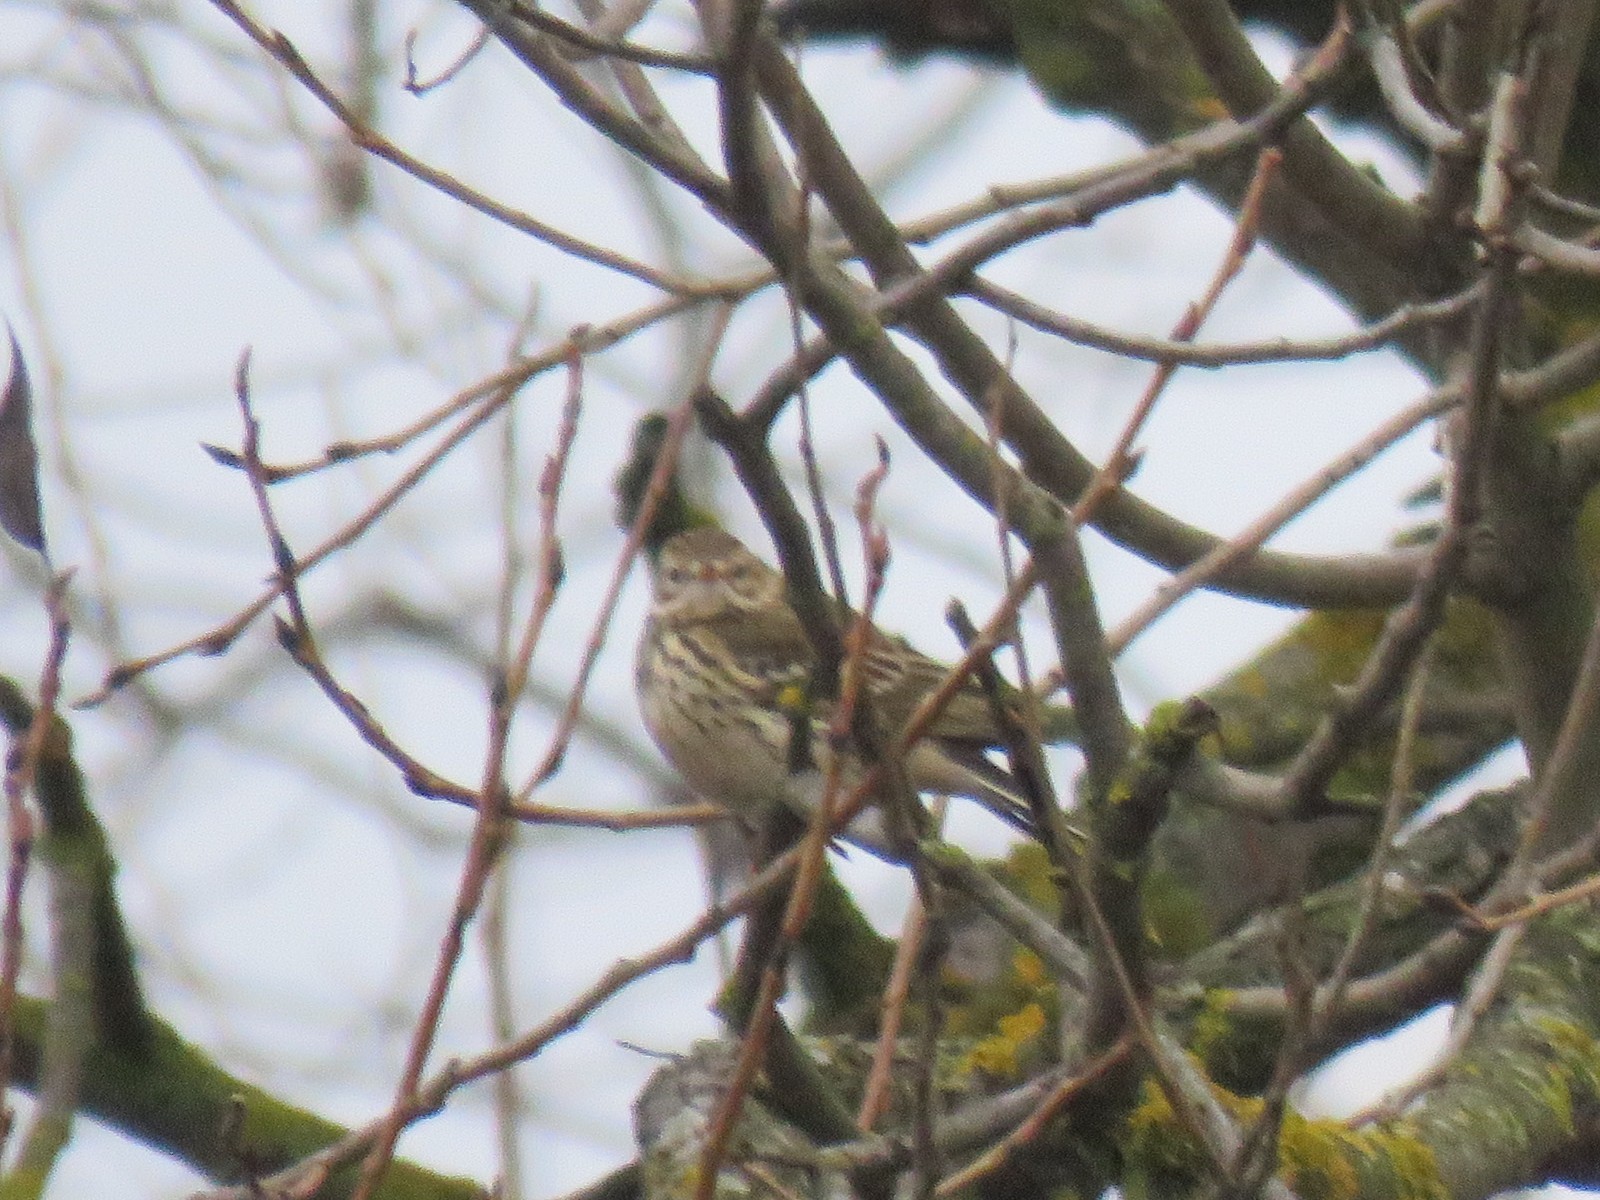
[{"x": 285, "y": 890}]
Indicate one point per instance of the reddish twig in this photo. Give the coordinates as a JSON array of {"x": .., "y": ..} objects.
[
  {"x": 997, "y": 1155},
  {"x": 660, "y": 479},
  {"x": 21, "y": 766},
  {"x": 878, "y": 1090},
  {"x": 488, "y": 832},
  {"x": 812, "y": 850},
  {"x": 1234, "y": 550},
  {"x": 494, "y": 392},
  {"x": 550, "y": 566},
  {"x": 1120, "y": 463},
  {"x": 431, "y": 1095}
]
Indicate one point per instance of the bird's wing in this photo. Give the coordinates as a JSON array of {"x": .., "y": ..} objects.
[
  {"x": 769, "y": 646},
  {"x": 900, "y": 677}
]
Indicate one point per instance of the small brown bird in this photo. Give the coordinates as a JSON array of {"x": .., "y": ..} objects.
[{"x": 722, "y": 662}]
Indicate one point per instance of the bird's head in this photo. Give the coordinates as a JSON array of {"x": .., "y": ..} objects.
[{"x": 704, "y": 573}]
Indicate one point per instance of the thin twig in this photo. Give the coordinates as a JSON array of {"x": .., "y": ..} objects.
[
  {"x": 21, "y": 766},
  {"x": 431, "y": 1094},
  {"x": 220, "y": 637},
  {"x": 1374, "y": 878},
  {"x": 1004, "y": 1149},
  {"x": 660, "y": 478},
  {"x": 612, "y": 47},
  {"x": 418, "y": 86},
  {"x": 1246, "y": 228},
  {"x": 488, "y": 832},
  {"x": 878, "y": 1090},
  {"x": 367, "y": 138},
  {"x": 812, "y": 855},
  {"x": 1378, "y": 335},
  {"x": 1203, "y": 571}
]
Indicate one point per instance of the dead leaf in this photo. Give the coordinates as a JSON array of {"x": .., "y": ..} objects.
[{"x": 20, "y": 515}]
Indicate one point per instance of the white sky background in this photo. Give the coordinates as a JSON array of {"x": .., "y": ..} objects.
[{"x": 285, "y": 890}]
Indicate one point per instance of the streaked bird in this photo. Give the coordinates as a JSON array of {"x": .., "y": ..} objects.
[{"x": 722, "y": 667}]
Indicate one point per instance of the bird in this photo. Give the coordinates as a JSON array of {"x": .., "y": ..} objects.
[{"x": 722, "y": 666}]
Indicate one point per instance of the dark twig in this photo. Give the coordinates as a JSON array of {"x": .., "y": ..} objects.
[
  {"x": 1376, "y": 336},
  {"x": 745, "y": 444},
  {"x": 611, "y": 47},
  {"x": 418, "y": 86}
]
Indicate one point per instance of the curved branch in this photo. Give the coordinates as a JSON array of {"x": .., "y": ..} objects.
[
  {"x": 540, "y": 55},
  {"x": 1048, "y": 458},
  {"x": 1320, "y": 177}
]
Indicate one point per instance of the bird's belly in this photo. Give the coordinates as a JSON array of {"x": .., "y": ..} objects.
[{"x": 730, "y": 754}]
